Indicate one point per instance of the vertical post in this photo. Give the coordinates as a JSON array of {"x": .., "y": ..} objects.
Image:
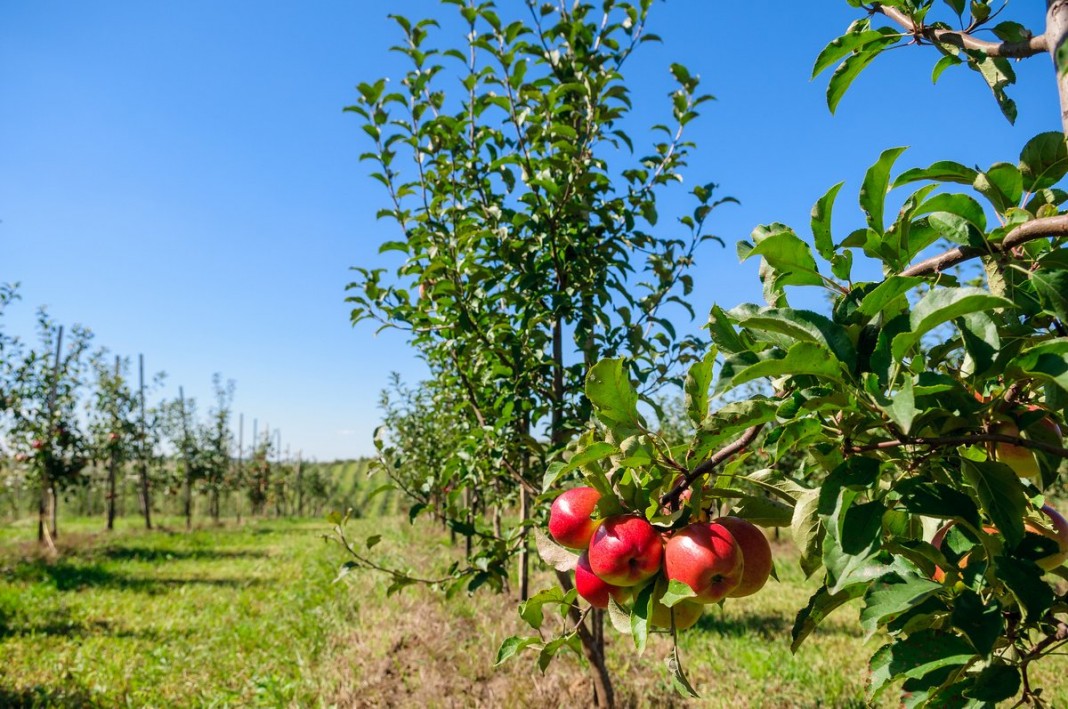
[
  {"x": 188, "y": 463},
  {"x": 254, "y": 483},
  {"x": 146, "y": 500},
  {"x": 113, "y": 462},
  {"x": 240, "y": 463}
]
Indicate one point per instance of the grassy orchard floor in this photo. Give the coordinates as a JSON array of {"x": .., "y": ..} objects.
[{"x": 248, "y": 616}]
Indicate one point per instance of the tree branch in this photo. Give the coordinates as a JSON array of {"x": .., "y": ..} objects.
[
  {"x": 671, "y": 499},
  {"x": 1011, "y": 50},
  {"x": 960, "y": 440},
  {"x": 1028, "y": 231}
]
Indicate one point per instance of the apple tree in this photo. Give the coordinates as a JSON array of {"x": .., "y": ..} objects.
[
  {"x": 42, "y": 392},
  {"x": 923, "y": 411},
  {"x": 530, "y": 246}
]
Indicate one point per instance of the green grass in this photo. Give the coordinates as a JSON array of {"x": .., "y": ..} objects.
[
  {"x": 249, "y": 616},
  {"x": 212, "y": 617}
]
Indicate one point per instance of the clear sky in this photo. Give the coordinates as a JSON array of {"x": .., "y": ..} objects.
[{"x": 180, "y": 176}]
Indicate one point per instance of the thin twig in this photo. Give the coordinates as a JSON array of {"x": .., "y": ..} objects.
[{"x": 959, "y": 440}]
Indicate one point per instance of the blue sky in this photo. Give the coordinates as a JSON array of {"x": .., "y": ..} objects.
[{"x": 180, "y": 177}]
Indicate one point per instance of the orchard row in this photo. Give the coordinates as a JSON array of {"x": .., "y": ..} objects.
[{"x": 76, "y": 421}]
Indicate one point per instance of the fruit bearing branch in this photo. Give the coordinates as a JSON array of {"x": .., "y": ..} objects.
[{"x": 671, "y": 499}]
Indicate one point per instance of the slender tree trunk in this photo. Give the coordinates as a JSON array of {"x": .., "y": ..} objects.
[
  {"x": 53, "y": 512},
  {"x": 300, "y": 486},
  {"x": 112, "y": 474},
  {"x": 188, "y": 465}
]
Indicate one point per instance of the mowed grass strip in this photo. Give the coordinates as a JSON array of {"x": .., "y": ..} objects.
[
  {"x": 249, "y": 616},
  {"x": 211, "y": 617}
]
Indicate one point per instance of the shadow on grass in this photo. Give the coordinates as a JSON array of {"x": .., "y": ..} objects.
[
  {"x": 762, "y": 625},
  {"x": 157, "y": 555},
  {"x": 768, "y": 626},
  {"x": 67, "y": 576},
  {"x": 67, "y": 628},
  {"x": 43, "y": 696}
]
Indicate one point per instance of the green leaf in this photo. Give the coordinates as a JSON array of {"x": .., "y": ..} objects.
[
  {"x": 764, "y": 511},
  {"x": 802, "y": 358},
  {"x": 937, "y": 500},
  {"x": 531, "y": 610},
  {"x": 941, "y": 171},
  {"x": 982, "y": 342},
  {"x": 902, "y": 406},
  {"x": 820, "y": 605},
  {"x": 619, "y": 617},
  {"x": 942, "y": 305},
  {"x": 1047, "y": 361},
  {"x": 723, "y": 333},
  {"x": 596, "y": 451},
  {"x": 1024, "y": 581},
  {"x": 789, "y": 258},
  {"x": 698, "y": 380},
  {"x": 1008, "y": 180},
  {"x": 821, "y": 223},
  {"x": 1044, "y": 161},
  {"x": 915, "y": 657},
  {"x": 678, "y": 677},
  {"x": 957, "y": 6},
  {"x": 676, "y": 592},
  {"x": 1001, "y": 495},
  {"x": 840, "y": 47},
  {"x": 891, "y": 596},
  {"x": 556, "y": 556},
  {"x": 614, "y": 399},
  {"x": 513, "y": 645},
  {"x": 807, "y": 529},
  {"x": 996, "y": 683},
  {"x": 875, "y": 186},
  {"x": 980, "y": 623},
  {"x": 1051, "y": 286},
  {"x": 885, "y": 293},
  {"x": 639, "y": 616},
  {"x": 848, "y": 70},
  {"x": 799, "y": 325}
]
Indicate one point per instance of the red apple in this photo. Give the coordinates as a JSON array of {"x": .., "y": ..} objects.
[
  {"x": 570, "y": 519},
  {"x": 592, "y": 588},
  {"x": 756, "y": 555},
  {"x": 1058, "y": 533},
  {"x": 706, "y": 558},
  {"x": 37, "y": 444},
  {"x": 625, "y": 550}
]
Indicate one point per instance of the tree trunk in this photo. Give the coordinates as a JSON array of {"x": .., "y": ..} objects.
[
  {"x": 592, "y": 648},
  {"x": 1056, "y": 37},
  {"x": 112, "y": 466},
  {"x": 54, "y": 500}
]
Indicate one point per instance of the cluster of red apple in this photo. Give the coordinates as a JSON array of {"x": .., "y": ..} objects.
[{"x": 726, "y": 557}]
